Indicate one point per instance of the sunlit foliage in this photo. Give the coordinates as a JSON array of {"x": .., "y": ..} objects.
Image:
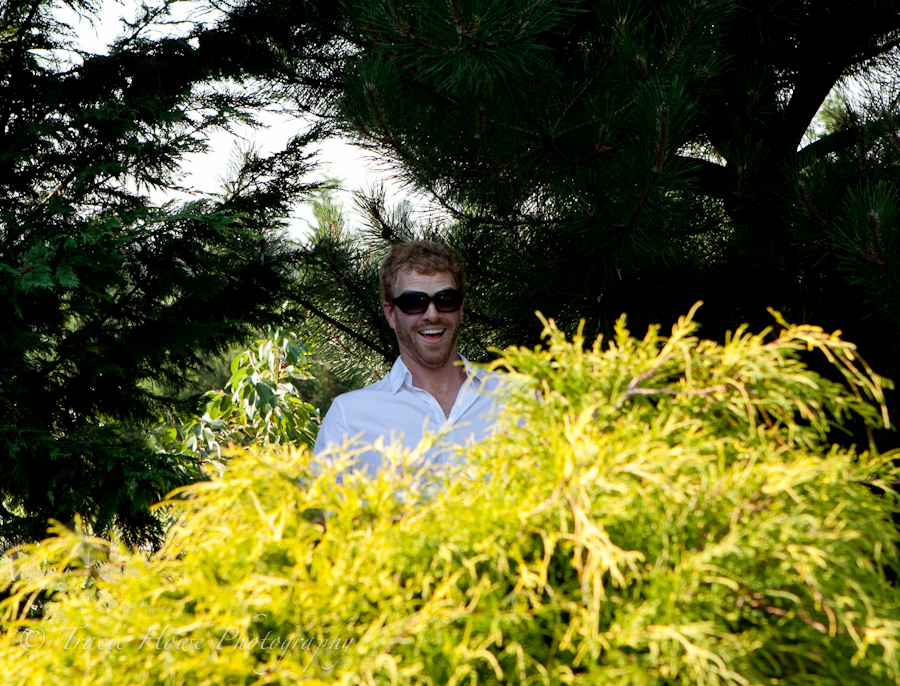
[{"x": 654, "y": 511}]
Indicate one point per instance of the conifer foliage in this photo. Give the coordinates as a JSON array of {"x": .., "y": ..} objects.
[
  {"x": 111, "y": 290},
  {"x": 664, "y": 510},
  {"x": 593, "y": 157}
]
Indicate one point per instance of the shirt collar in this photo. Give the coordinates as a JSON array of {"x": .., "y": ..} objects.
[{"x": 400, "y": 374}]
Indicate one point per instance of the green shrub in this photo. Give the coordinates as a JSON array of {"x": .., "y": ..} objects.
[
  {"x": 260, "y": 406},
  {"x": 662, "y": 511}
]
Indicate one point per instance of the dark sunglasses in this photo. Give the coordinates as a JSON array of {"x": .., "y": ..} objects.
[{"x": 417, "y": 302}]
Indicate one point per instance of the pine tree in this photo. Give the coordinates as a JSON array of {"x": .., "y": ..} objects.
[
  {"x": 591, "y": 157},
  {"x": 113, "y": 292}
]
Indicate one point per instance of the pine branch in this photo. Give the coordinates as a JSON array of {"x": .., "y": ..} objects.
[{"x": 385, "y": 354}]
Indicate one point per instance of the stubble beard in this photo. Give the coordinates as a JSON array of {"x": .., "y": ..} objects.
[{"x": 432, "y": 357}]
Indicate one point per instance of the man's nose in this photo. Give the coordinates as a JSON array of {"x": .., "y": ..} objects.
[{"x": 431, "y": 313}]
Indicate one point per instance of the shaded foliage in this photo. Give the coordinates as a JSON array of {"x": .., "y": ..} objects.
[{"x": 112, "y": 292}]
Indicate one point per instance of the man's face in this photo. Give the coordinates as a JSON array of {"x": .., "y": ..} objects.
[{"x": 427, "y": 339}]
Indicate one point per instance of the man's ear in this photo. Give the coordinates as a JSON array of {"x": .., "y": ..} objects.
[{"x": 388, "y": 308}]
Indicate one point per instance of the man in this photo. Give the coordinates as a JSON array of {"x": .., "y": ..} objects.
[{"x": 430, "y": 386}]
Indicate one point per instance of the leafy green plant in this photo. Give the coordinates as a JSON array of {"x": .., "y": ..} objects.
[
  {"x": 659, "y": 511},
  {"x": 260, "y": 406}
]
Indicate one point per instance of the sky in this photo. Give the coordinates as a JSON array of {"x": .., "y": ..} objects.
[{"x": 337, "y": 158}]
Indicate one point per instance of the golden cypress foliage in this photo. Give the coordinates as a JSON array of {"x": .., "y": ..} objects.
[{"x": 655, "y": 511}]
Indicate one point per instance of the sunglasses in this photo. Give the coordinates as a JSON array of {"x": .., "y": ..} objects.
[{"x": 417, "y": 302}]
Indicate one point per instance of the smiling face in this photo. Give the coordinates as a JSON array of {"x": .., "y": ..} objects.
[{"x": 426, "y": 340}]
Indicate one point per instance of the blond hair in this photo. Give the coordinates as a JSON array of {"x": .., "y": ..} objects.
[{"x": 423, "y": 257}]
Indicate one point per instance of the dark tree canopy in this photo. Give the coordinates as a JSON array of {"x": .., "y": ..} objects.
[
  {"x": 111, "y": 291},
  {"x": 591, "y": 158}
]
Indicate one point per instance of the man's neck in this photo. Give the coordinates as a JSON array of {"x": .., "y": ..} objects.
[{"x": 442, "y": 383}]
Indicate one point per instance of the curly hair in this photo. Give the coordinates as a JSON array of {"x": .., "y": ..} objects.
[{"x": 424, "y": 257}]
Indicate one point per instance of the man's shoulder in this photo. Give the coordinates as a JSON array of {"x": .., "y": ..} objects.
[
  {"x": 486, "y": 381},
  {"x": 364, "y": 394},
  {"x": 351, "y": 413}
]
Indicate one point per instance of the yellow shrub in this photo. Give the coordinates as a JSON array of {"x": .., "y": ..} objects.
[{"x": 662, "y": 511}]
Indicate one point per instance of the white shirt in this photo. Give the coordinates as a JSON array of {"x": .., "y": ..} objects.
[{"x": 397, "y": 410}]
